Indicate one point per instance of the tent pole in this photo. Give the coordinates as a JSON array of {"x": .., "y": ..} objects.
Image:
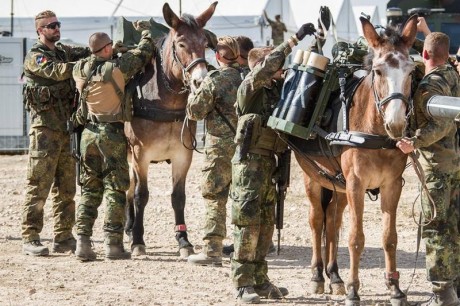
[{"x": 12, "y": 18}]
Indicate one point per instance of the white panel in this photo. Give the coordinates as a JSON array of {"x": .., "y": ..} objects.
[{"x": 11, "y": 106}]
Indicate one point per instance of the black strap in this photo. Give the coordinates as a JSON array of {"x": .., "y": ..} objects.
[{"x": 225, "y": 120}]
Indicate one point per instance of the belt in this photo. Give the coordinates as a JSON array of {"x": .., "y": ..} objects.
[
  {"x": 262, "y": 152},
  {"x": 116, "y": 126}
]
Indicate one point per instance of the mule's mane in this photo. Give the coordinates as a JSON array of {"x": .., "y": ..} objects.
[
  {"x": 390, "y": 35},
  {"x": 190, "y": 21}
]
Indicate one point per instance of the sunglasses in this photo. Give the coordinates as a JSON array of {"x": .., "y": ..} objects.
[
  {"x": 52, "y": 25},
  {"x": 99, "y": 50},
  {"x": 457, "y": 57}
]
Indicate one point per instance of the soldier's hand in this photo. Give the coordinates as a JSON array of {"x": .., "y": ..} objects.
[
  {"x": 141, "y": 25},
  {"x": 119, "y": 47},
  {"x": 306, "y": 29},
  {"x": 422, "y": 26},
  {"x": 324, "y": 18}
]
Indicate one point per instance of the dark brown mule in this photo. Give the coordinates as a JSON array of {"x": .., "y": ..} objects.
[
  {"x": 156, "y": 132},
  {"x": 378, "y": 108}
]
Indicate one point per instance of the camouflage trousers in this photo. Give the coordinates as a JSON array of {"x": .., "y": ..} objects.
[
  {"x": 105, "y": 174},
  {"x": 50, "y": 167},
  {"x": 441, "y": 235},
  {"x": 253, "y": 214},
  {"x": 215, "y": 186}
]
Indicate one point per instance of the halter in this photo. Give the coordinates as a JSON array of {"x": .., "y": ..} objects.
[
  {"x": 393, "y": 96},
  {"x": 185, "y": 70}
]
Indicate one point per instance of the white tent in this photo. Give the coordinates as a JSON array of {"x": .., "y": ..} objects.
[
  {"x": 370, "y": 10},
  {"x": 297, "y": 12},
  {"x": 381, "y": 8},
  {"x": 87, "y": 8}
]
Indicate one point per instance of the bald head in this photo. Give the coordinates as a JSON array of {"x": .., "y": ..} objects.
[{"x": 98, "y": 41}]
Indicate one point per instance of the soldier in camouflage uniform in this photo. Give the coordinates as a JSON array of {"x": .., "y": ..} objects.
[
  {"x": 278, "y": 29},
  {"x": 253, "y": 167},
  {"x": 101, "y": 81},
  {"x": 214, "y": 101},
  {"x": 245, "y": 44},
  {"x": 436, "y": 141},
  {"x": 48, "y": 96}
]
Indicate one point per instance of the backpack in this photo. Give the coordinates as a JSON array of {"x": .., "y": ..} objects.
[{"x": 94, "y": 73}]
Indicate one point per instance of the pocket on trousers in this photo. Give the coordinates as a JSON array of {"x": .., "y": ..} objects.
[
  {"x": 119, "y": 179},
  {"x": 245, "y": 207},
  {"x": 37, "y": 167}
]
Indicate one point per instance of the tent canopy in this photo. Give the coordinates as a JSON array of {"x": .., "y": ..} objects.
[{"x": 86, "y": 8}]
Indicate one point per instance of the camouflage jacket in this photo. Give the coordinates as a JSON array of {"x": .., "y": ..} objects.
[
  {"x": 278, "y": 29},
  {"x": 215, "y": 97},
  {"x": 259, "y": 93},
  {"x": 436, "y": 138},
  {"x": 49, "y": 89}
]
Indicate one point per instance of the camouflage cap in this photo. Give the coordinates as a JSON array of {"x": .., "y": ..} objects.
[{"x": 98, "y": 41}]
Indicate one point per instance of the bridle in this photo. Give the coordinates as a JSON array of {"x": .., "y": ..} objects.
[
  {"x": 185, "y": 70},
  {"x": 380, "y": 103}
]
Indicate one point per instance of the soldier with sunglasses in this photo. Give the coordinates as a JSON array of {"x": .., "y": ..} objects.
[{"x": 48, "y": 95}]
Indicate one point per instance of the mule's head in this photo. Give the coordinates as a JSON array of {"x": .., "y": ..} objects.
[
  {"x": 188, "y": 44},
  {"x": 391, "y": 73}
]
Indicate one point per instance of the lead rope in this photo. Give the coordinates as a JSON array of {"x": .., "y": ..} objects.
[{"x": 421, "y": 176}]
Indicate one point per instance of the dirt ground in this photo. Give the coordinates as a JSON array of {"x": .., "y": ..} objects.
[{"x": 162, "y": 278}]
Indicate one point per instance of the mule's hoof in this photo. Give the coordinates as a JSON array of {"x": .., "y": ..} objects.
[
  {"x": 317, "y": 287},
  {"x": 338, "y": 289},
  {"x": 184, "y": 253},
  {"x": 399, "y": 302},
  {"x": 138, "y": 250}
]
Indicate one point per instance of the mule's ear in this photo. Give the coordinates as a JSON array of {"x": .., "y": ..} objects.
[
  {"x": 170, "y": 17},
  {"x": 409, "y": 31},
  {"x": 373, "y": 39},
  {"x": 206, "y": 15}
]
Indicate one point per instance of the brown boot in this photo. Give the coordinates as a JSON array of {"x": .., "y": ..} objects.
[
  {"x": 116, "y": 251},
  {"x": 84, "y": 251},
  {"x": 202, "y": 259},
  {"x": 269, "y": 291},
  {"x": 65, "y": 246},
  {"x": 34, "y": 248},
  {"x": 443, "y": 295},
  {"x": 247, "y": 295}
]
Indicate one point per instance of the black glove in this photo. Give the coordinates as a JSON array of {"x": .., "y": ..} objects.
[
  {"x": 325, "y": 16},
  {"x": 306, "y": 29}
]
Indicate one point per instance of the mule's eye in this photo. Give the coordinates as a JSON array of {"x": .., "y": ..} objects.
[
  {"x": 181, "y": 45},
  {"x": 378, "y": 72}
]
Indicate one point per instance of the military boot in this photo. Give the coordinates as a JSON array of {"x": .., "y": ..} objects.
[
  {"x": 65, "y": 246},
  {"x": 84, "y": 251},
  {"x": 269, "y": 291},
  {"x": 202, "y": 259},
  {"x": 34, "y": 248},
  {"x": 247, "y": 295},
  {"x": 443, "y": 295},
  {"x": 116, "y": 251}
]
